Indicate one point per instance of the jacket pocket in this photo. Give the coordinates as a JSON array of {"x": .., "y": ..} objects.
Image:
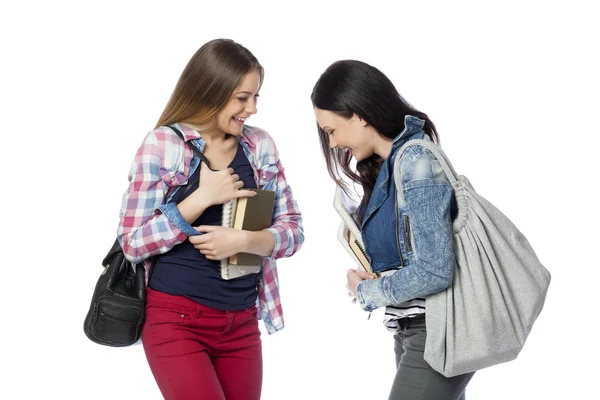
[
  {"x": 407, "y": 233},
  {"x": 267, "y": 177}
]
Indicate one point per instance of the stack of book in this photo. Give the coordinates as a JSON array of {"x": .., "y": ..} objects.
[
  {"x": 349, "y": 231},
  {"x": 250, "y": 214}
]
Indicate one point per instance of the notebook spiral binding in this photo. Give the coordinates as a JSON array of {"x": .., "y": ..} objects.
[
  {"x": 227, "y": 221},
  {"x": 227, "y": 217}
]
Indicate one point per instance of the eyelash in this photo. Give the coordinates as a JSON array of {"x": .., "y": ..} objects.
[
  {"x": 331, "y": 132},
  {"x": 246, "y": 98}
]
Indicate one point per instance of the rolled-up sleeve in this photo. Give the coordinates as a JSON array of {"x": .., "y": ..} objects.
[
  {"x": 146, "y": 226},
  {"x": 286, "y": 226}
]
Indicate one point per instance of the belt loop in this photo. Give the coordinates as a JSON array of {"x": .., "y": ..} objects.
[{"x": 198, "y": 311}]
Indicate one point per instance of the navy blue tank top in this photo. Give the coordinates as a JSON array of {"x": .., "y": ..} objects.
[{"x": 184, "y": 271}]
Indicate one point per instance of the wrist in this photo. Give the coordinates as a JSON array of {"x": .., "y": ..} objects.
[
  {"x": 191, "y": 208},
  {"x": 257, "y": 242},
  {"x": 201, "y": 200},
  {"x": 355, "y": 294},
  {"x": 245, "y": 240}
]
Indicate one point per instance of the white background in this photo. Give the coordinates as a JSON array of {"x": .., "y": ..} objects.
[{"x": 513, "y": 89}]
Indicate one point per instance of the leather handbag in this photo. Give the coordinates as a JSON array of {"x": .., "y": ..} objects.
[
  {"x": 117, "y": 310},
  {"x": 116, "y": 314},
  {"x": 498, "y": 290}
]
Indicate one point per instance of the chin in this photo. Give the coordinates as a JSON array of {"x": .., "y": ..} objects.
[
  {"x": 232, "y": 130},
  {"x": 361, "y": 157},
  {"x": 235, "y": 131}
]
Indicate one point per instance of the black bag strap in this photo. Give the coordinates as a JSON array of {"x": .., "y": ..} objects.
[
  {"x": 189, "y": 186},
  {"x": 191, "y": 146}
]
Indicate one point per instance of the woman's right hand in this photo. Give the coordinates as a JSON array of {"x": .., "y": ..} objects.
[{"x": 218, "y": 187}]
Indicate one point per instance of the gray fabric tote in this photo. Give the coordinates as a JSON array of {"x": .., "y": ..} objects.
[{"x": 498, "y": 290}]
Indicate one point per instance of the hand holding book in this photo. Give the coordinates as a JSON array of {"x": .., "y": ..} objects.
[
  {"x": 355, "y": 277},
  {"x": 218, "y": 242},
  {"x": 229, "y": 242}
]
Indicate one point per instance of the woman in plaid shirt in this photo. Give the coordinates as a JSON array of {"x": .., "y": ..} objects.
[{"x": 201, "y": 334}]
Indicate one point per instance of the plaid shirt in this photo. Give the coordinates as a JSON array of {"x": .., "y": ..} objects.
[{"x": 149, "y": 225}]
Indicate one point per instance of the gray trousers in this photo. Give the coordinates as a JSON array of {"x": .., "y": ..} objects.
[{"x": 415, "y": 379}]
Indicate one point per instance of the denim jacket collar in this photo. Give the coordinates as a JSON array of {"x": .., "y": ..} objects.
[
  {"x": 413, "y": 129},
  {"x": 412, "y": 126}
]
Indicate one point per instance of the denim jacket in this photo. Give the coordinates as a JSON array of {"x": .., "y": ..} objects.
[{"x": 411, "y": 234}]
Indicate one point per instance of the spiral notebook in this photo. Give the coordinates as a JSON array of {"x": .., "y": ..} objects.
[
  {"x": 251, "y": 214},
  {"x": 349, "y": 233}
]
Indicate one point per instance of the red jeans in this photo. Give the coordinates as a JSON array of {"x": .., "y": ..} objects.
[{"x": 198, "y": 352}]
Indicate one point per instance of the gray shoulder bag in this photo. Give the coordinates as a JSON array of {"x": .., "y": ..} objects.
[{"x": 498, "y": 290}]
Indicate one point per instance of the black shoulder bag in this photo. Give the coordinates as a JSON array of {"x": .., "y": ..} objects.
[{"x": 117, "y": 311}]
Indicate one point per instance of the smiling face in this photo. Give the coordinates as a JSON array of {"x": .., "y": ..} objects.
[
  {"x": 242, "y": 104},
  {"x": 353, "y": 135}
]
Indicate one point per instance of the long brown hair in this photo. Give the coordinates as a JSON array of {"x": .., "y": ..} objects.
[
  {"x": 208, "y": 81},
  {"x": 350, "y": 87}
]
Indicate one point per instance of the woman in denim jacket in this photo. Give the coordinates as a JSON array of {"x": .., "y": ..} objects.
[{"x": 407, "y": 235}]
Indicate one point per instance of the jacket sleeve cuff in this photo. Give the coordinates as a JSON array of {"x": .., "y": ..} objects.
[
  {"x": 276, "y": 243},
  {"x": 285, "y": 240},
  {"x": 172, "y": 213},
  {"x": 371, "y": 294}
]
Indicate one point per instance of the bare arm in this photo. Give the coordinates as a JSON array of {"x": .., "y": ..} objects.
[{"x": 261, "y": 243}]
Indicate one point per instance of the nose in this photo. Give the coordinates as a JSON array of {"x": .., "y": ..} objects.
[
  {"x": 251, "y": 107},
  {"x": 332, "y": 142}
]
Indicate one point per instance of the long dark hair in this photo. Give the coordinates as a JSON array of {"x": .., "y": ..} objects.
[
  {"x": 207, "y": 82},
  {"x": 350, "y": 87}
]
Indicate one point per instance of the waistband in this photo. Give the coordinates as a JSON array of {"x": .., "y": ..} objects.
[{"x": 155, "y": 298}]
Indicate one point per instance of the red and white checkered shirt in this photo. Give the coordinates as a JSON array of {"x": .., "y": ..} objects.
[{"x": 162, "y": 163}]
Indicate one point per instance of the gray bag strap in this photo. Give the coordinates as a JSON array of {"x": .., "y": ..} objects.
[
  {"x": 457, "y": 182},
  {"x": 439, "y": 155}
]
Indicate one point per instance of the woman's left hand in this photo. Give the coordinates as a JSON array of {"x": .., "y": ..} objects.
[{"x": 219, "y": 242}]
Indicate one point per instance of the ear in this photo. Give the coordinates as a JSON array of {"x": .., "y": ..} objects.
[{"x": 357, "y": 118}]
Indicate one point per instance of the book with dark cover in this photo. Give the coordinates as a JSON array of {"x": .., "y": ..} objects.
[{"x": 251, "y": 214}]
